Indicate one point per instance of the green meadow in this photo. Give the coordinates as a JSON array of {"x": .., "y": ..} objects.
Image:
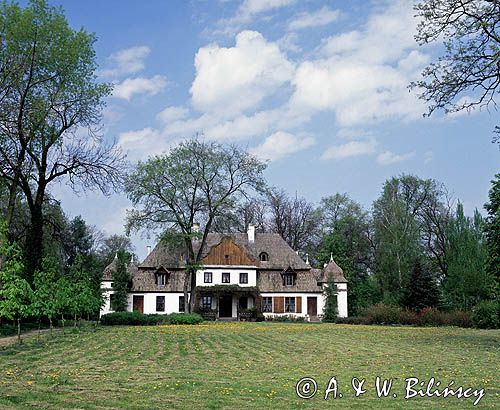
[{"x": 246, "y": 365}]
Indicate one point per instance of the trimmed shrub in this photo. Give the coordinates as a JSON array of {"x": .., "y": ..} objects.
[
  {"x": 486, "y": 314},
  {"x": 184, "y": 319},
  {"x": 140, "y": 319}
]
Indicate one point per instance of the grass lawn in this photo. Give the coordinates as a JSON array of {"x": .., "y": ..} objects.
[{"x": 245, "y": 365}]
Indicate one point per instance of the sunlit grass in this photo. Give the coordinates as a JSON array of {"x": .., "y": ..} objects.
[{"x": 243, "y": 365}]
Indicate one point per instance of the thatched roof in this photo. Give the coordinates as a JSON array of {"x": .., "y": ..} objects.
[
  {"x": 280, "y": 254},
  {"x": 330, "y": 272},
  {"x": 111, "y": 268},
  {"x": 170, "y": 259},
  {"x": 305, "y": 281}
]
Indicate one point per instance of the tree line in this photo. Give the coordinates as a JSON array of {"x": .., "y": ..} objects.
[{"x": 414, "y": 247}]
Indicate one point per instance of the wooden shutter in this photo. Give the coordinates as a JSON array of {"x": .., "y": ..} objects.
[
  {"x": 279, "y": 304},
  {"x": 298, "y": 304}
]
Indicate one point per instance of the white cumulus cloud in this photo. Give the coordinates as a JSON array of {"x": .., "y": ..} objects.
[
  {"x": 388, "y": 157},
  {"x": 171, "y": 114},
  {"x": 126, "y": 61},
  {"x": 350, "y": 149},
  {"x": 234, "y": 79},
  {"x": 281, "y": 144},
  {"x": 362, "y": 75},
  {"x": 321, "y": 17},
  {"x": 139, "y": 85},
  {"x": 140, "y": 144}
]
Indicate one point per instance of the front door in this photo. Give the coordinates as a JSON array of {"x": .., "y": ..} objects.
[
  {"x": 312, "y": 306},
  {"x": 138, "y": 303},
  {"x": 225, "y": 306}
]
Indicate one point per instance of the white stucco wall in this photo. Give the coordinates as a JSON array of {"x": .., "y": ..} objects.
[
  {"x": 234, "y": 276},
  {"x": 171, "y": 302},
  {"x": 107, "y": 291},
  {"x": 342, "y": 299}
]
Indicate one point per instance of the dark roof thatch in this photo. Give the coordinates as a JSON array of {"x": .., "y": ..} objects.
[
  {"x": 111, "y": 268},
  {"x": 170, "y": 259},
  {"x": 280, "y": 254},
  {"x": 330, "y": 272},
  {"x": 305, "y": 281}
]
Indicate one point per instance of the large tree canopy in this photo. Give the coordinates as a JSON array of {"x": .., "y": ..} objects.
[
  {"x": 468, "y": 72},
  {"x": 50, "y": 111},
  {"x": 196, "y": 182}
]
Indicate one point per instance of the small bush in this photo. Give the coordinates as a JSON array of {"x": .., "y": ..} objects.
[
  {"x": 486, "y": 314},
  {"x": 140, "y": 319},
  {"x": 458, "y": 318},
  {"x": 381, "y": 314},
  {"x": 184, "y": 319}
]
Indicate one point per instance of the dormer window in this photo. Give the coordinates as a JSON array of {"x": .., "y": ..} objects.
[
  {"x": 264, "y": 257},
  {"x": 289, "y": 277},
  {"x": 161, "y": 277}
]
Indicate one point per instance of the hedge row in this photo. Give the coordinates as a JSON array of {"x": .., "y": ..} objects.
[
  {"x": 393, "y": 315},
  {"x": 140, "y": 319}
]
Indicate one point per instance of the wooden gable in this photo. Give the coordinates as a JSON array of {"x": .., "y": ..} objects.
[{"x": 228, "y": 253}]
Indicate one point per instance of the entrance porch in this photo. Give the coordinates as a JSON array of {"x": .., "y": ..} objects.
[{"x": 231, "y": 302}]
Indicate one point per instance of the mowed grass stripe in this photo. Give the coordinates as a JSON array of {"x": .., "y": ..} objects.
[{"x": 241, "y": 365}]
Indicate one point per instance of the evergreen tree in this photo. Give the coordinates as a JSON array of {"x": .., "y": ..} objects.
[
  {"x": 422, "y": 290},
  {"x": 467, "y": 281},
  {"x": 492, "y": 230},
  {"x": 121, "y": 281},
  {"x": 330, "y": 311}
]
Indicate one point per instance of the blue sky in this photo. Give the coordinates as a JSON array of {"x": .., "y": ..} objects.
[{"x": 318, "y": 88}]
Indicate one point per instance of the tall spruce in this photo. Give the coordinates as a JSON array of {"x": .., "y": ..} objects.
[
  {"x": 468, "y": 280},
  {"x": 492, "y": 230},
  {"x": 121, "y": 282},
  {"x": 422, "y": 290}
]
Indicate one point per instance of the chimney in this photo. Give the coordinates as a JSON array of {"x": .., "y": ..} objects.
[
  {"x": 195, "y": 228},
  {"x": 307, "y": 258},
  {"x": 148, "y": 250},
  {"x": 251, "y": 233}
]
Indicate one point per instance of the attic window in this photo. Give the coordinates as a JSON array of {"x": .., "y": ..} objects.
[
  {"x": 161, "y": 277},
  {"x": 264, "y": 257}
]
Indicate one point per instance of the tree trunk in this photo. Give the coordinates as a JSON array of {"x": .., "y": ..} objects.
[
  {"x": 192, "y": 276},
  {"x": 39, "y": 325},
  {"x": 51, "y": 326},
  {"x": 187, "y": 304},
  {"x": 34, "y": 242},
  {"x": 19, "y": 340}
]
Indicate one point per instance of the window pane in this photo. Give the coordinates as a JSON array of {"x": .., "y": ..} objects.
[
  {"x": 206, "y": 302},
  {"x": 243, "y": 277},
  {"x": 226, "y": 277},
  {"x": 160, "y": 303},
  {"x": 208, "y": 277},
  {"x": 267, "y": 304},
  {"x": 290, "y": 305},
  {"x": 181, "y": 304}
]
